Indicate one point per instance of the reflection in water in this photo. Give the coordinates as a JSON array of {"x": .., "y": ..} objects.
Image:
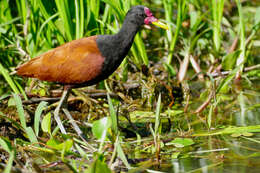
[{"x": 190, "y": 165}]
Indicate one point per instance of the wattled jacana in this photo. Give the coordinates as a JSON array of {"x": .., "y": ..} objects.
[{"x": 88, "y": 60}]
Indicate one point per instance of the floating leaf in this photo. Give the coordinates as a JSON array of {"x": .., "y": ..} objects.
[
  {"x": 247, "y": 134},
  {"x": 235, "y": 135},
  {"x": 181, "y": 142},
  {"x": 231, "y": 130},
  {"x": 178, "y": 145}
]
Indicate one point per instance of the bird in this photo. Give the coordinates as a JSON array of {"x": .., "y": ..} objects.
[{"x": 88, "y": 60}]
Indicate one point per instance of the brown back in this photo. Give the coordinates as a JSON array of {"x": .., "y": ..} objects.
[{"x": 75, "y": 62}]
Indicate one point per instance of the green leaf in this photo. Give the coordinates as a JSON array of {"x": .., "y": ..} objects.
[
  {"x": 37, "y": 116},
  {"x": 9, "y": 165},
  {"x": 224, "y": 82},
  {"x": 54, "y": 143},
  {"x": 121, "y": 153},
  {"x": 157, "y": 116},
  {"x": 65, "y": 15},
  {"x": 194, "y": 16},
  {"x": 11, "y": 102},
  {"x": 178, "y": 145},
  {"x": 112, "y": 115},
  {"x": 175, "y": 155},
  {"x": 257, "y": 16},
  {"x": 14, "y": 122},
  {"x": 46, "y": 123},
  {"x": 100, "y": 127},
  {"x": 247, "y": 134},
  {"x": 170, "y": 69},
  {"x": 231, "y": 130},
  {"x": 9, "y": 79},
  {"x": 98, "y": 166},
  {"x": 181, "y": 142},
  {"x": 31, "y": 135},
  {"x": 42, "y": 92},
  {"x": 6, "y": 145},
  {"x": 65, "y": 146},
  {"x": 81, "y": 152},
  {"x": 118, "y": 11},
  {"x": 20, "y": 110},
  {"x": 229, "y": 61},
  {"x": 141, "y": 48},
  {"x": 209, "y": 117},
  {"x": 235, "y": 135}
]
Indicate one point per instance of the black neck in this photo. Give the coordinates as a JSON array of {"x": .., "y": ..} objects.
[
  {"x": 117, "y": 46},
  {"x": 125, "y": 37}
]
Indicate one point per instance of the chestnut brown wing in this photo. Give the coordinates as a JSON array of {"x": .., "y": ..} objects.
[{"x": 75, "y": 62}]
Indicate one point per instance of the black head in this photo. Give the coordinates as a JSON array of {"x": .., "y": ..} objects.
[{"x": 140, "y": 15}]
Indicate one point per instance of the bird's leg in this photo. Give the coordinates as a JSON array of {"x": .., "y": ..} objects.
[
  {"x": 63, "y": 104},
  {"x": 63, "y": 100},
  {"x": 72, "y": 121}
]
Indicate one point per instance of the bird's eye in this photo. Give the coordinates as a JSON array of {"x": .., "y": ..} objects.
[{"x": 141, "y": 15}]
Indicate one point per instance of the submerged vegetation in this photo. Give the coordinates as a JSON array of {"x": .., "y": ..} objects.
[{"x": 184, "y": 100}]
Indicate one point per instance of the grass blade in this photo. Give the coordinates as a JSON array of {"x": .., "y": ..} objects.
[
  {"x": 217, "y": 13},
  {"x": 77, "y": 19},
  {"x": 31, "y": 135},
  {"x": 63, "y": 9},
  {"x": 180, "y": 16},
  {"x": 113, "y": 115},
  {"x": 37, "y": 116},
  {"x": 242, "y": 58},
  {"x": 121, "y": 153},
  {"x": 20, "y": 110},
  {"x": 5, "y": 145},
  {"x": 10, "y": 162},
  {"x": 157, "y": 115},
  {"x": 9, "y": 79},
  {"x": 46, "y": 123}
]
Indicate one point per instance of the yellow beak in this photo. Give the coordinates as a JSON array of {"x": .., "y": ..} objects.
[{"x": 161, "y": 25}]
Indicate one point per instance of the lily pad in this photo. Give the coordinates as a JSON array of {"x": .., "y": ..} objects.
[{"x": 181, "y": 142}]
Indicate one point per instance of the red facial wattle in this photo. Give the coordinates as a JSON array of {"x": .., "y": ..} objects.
[{"x": 150, "y": 18}]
